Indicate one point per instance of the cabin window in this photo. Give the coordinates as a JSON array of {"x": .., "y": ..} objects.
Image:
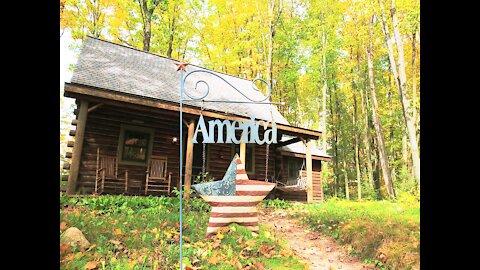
[
  {"x": 249, "y": 156},
  {"x": 135, "y": 145},
  {"x": 294, "y": 167}
]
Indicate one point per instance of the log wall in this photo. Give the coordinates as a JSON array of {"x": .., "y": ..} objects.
[{"x": 103, "y": 130}]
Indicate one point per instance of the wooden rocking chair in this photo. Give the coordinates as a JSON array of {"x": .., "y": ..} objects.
[
  {"x": 157, "y": 179},
  {"x": 106, "y": 174}
]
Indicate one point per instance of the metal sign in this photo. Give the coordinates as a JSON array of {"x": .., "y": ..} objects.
[
  {"x": 249, "y": 131},
  {"x": 270, "y": 135}
]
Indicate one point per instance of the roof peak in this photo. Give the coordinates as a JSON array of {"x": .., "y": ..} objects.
[{"x": 165, "y": 57}]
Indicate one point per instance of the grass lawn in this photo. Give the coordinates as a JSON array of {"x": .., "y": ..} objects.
[
  {"x": 143, "y": 233},
  {"x": 384, "y": 232}
]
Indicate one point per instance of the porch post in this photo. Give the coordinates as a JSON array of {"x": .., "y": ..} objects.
[
  {"x": 189, "y": 158},
  {"x": 243, "y": 150},
  {"x": 309, "y": 172},
  {"x": 77, "y": 147}
]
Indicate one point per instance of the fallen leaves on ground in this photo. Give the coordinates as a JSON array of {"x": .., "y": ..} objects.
[
  {"x": 63, "y": 225},
  {"x": 91, "y": 265},
  {"x": 65, "y": 248}
]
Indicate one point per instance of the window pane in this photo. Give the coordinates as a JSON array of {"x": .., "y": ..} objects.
[
  {"x": 135, "y": 146},
  {"x": 134, "y": 153},
  {"x": 136, "y": 138}
]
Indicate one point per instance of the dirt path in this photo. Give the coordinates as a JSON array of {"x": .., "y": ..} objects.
[{"x": 317, "y": 250}]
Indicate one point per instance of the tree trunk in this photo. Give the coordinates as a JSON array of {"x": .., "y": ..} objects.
[
  {"x": 405, "y": 151},
  {"x": 357, "y": 161},
  {"x": 147, "y": 35},
  {"x": 345, "y": 174},
  {"x": 172, "y": 31},
  {"x": 334, "y": 144},
  {"x": 414, "y": 79},
  {"x": 376, "y": 165},
  {"x": 273, "y": 6},
  {"x": 170, "y": 44},
  {"x": 378, "y": 126},
  {"x": 403, "y": 94},
  {"x": 366, "y": 142},
  {"x": 324, "y": 94},
  {"x": 146, "y": 13}
]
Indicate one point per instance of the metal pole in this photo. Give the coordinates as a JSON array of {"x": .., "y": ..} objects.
[{"x": 181, "y": 169}]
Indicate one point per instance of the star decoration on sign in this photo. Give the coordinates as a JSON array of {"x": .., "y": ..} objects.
[
  {"x": 234, "y": 199},
  {"x": 182, "y": 66}
]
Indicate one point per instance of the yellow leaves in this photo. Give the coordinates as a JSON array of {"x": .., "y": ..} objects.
[
  {"x": 250, "y": 242},
  {"x": 220, "y": 235},
  {"x": 91, "y": 265},
  {"x": 131, "y": 264},
  {"x": 268, "y": 235},
  {"x": 117, "y": 231},
  {"x": 286, "y": 253},
  {"x": 215, "y": 258},
  {"x": 168, "y": 234},
  {"x": 115, "y": 242},
  {"x": 235, "y": 263},
  {"x": 91, "y": 247}
]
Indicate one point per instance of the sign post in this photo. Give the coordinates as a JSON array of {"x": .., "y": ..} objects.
[{"x": 270, "y": 136}]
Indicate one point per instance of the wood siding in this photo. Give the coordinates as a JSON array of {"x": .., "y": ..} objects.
[{"x": 103, "y": 130}]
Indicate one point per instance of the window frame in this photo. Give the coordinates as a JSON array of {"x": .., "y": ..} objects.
[{"x": 125, "y": 128}]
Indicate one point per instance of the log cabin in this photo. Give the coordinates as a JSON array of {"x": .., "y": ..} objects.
[{"x": 126, "y": 129}]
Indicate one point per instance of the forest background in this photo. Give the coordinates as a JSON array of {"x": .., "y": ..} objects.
[{"x": 350, "y": 69}]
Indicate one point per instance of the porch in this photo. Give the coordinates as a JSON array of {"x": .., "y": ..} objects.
[{"x": 133, "y": 136}]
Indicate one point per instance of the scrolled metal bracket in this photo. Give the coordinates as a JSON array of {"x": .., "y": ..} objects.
[{"x": 207, "y": 90}]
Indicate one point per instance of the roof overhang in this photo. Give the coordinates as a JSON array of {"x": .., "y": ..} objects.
[{"x": 106, "y": 96}]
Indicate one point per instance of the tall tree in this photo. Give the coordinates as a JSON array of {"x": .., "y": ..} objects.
[
  {"x": 147, "y": 9},
  {"x": 85, "y": 17},
  {"x": 378, "y": 126},
  {"x": 401, "y": 78}
]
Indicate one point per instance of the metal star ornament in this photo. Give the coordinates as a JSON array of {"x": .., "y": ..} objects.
[
  {"x": 182, "y": 66},
  {"x": 234, "y": 199}
]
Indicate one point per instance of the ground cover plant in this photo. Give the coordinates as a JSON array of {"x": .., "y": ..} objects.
[
  {"x": 143, "y": 233},
  {"x": 386, "y": 233}
]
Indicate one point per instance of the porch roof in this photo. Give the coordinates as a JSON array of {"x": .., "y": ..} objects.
[
  {"x": 300, "y": 149},
  {"x": 129, "y": 71}
]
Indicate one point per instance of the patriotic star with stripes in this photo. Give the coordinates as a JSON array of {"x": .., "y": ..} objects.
[{"x": 234, "y": 199}]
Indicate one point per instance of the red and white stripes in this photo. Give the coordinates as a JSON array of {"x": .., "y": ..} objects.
[{"x": 241, "y": 208}]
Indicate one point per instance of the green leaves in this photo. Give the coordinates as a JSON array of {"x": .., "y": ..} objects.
[{"x": 149, "y": 237}]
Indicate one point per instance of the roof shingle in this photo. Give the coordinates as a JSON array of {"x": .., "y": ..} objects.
[{"x": 123, "y": 69}]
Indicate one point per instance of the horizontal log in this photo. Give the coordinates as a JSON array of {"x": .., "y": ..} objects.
[
  {"x": 64, "y": 177},
  {"x": 66, "y": 166},
  {"x": 70, "y": 143},
  {"x": 72, "y": 132},
  {"x": 68, "y": 155},
  {"x": 74, "y": 122}
]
